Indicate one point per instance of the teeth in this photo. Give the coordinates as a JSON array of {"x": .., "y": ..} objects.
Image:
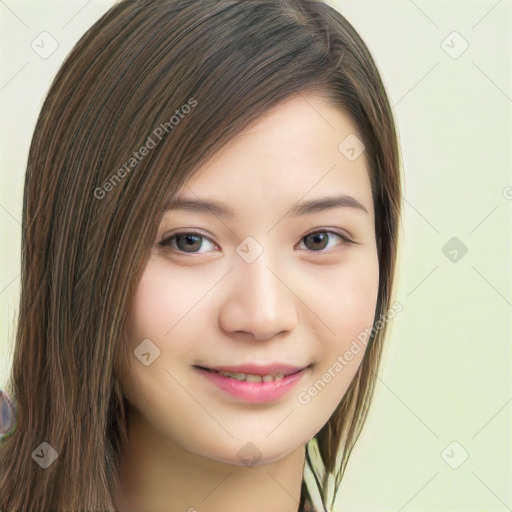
[
  {"x": 253, "y": 378},
  {"x": 237, "y": 376}
]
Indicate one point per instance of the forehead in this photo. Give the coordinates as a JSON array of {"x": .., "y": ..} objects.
[{"x": 290, "y": 153}]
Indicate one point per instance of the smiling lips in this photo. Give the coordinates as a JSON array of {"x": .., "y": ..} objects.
[{"x": 254, "y": 383}]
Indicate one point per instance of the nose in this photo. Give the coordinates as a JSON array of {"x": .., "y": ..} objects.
[{"x": 258, "y": 301}]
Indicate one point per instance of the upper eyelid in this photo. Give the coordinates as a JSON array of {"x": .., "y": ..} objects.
[{"x": 197, "y": 231}]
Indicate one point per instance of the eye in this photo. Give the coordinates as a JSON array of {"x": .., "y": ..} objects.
[
  {"x": 188, "y": 243},
  {"x": 318, "y": 241},
  {"x": 191, "y": 242}
]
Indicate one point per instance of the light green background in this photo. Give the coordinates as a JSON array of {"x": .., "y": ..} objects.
[{"x": 446, "y": 367}]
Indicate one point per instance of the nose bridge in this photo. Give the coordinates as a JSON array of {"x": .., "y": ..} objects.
[
  {"x": 255, "y": 277},
  {"x": 257, "y": 300}
]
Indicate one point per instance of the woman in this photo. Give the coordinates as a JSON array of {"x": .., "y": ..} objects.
[{"x": 209, "y": 233}]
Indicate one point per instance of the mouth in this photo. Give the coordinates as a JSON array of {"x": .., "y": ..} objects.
[
  {"x": 254, "y": 383},
  {"x": 256, "y": 373}
]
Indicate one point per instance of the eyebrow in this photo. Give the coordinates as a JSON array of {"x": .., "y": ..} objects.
[{"x": 303, "y": 208}]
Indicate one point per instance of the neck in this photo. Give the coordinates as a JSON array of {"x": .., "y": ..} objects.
[{"x": 158, "y": 475}]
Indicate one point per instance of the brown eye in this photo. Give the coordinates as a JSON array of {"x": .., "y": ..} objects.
[
  {"x": 319, "y": 240},
  {"x": 189, "y": 243}
]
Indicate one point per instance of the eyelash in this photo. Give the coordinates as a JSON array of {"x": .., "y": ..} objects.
[{"x": 165, "y": 242}]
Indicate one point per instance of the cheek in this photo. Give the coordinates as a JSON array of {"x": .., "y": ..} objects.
[
  {"x": 346, "y": 299},
  {"x": 348, "y": 311},
  {"x": 162, "y": 299},
  {"x": 361, "y": 286},
  {"x": 158, "y": 310}
]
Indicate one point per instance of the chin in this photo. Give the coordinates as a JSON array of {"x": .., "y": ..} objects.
[{"x": 249, "y": 453}]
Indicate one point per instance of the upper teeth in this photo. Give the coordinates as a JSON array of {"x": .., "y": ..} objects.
[{"x": 253, "y": 378}]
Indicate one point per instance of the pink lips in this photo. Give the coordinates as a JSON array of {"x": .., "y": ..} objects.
[{"x": 254, "y": 392}]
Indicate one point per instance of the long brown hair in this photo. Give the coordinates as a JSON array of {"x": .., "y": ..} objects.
[{"x": 196, "y": 72}]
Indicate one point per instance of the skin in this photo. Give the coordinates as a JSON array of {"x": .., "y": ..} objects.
[{"x": 291, "y": 305}]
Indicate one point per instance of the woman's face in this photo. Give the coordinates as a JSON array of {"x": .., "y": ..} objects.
[{"x": 272, "y": 289}]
